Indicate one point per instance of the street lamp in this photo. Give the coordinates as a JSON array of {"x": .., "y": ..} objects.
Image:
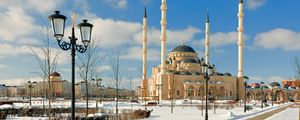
[
  {"x": 29, "y": 86},
  {"x": 158, "y": 95},
  {"x": 30, "y": 90},
  {"x": 245, "y": 84},
  {"x": 207, "y": 72},
  {"x": 262, "y": 94},
  {"x": 272, "y": 96},
  {"x": 58, "y": 25},
  {"x": 98, "y": 86}
]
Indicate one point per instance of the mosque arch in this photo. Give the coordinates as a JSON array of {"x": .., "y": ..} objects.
[
  {"x": 250, "y": 95},
  {"x": 296, "y": 96},
  {"x": 222, "y": 93},
  {"x": 279, "y": 95},
  {"x": 191, "y": 92}
]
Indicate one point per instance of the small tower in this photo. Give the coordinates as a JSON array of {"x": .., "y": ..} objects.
[
  {"x": 144, "y": 77},
  {"x": 207, "y": 39},
  {"x": 240, "y": 44}
]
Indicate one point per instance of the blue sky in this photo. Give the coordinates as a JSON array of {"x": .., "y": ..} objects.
[{"x": 272, "y": 33}]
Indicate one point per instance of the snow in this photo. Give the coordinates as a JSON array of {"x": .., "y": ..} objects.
[
  {"x": 163, "y": 111},
  {"x": 27, "y": 118},
  {"x": 6, "y": 106},
  {"x": 193, "y": 113}
]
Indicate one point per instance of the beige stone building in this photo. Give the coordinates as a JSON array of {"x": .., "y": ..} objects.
[
  {"x": 184, "y": 79},
  {"x": 179, "y": 74}
]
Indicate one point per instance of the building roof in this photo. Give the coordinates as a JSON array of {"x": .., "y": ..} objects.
[
  {"x": 183, "y": 48},
  {"x": 55, "y": 74},
  {"x": 273, "y": 84}
]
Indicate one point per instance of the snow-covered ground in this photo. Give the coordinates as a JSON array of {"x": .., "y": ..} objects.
[
  {"x": 163, "y": 111},
  {"x": 193, "y": 113},
  {"x": 288, "y": 114}
]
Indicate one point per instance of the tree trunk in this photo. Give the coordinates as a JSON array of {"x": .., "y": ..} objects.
[{"x": 87, "y": 98}]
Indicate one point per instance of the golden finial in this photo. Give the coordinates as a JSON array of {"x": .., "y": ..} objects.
[{"x": 73, "y": 16}]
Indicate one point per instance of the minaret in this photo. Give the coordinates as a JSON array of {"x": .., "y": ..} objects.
[
  {"x": 240, "y": 39},
  {"x": 163, "y": 37},
  {"x": 240, "y": 92},
  {"x": 144, "y": 77},
  {"x": 145, "y": 45},
  {"x": 207, "y": 39}
]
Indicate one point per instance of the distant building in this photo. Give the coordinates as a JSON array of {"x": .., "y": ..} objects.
[
  {"x": 11, "y": 91},
  {"x": 291, "y": 83},
  {"x": 2, "y": 90}
]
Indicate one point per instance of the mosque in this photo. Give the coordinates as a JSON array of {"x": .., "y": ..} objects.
[{"x": 179, "y": 75}]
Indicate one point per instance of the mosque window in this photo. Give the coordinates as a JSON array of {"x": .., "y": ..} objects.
[
  {"x": 230, "y": 93},
  {"x": 177, "y": 92}
]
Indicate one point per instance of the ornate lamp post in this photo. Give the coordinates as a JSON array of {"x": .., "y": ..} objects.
[
  {"x": 207, "y": 72},
  {"x": 58, "y": 25},
  {"x": 245, "y": 85}
]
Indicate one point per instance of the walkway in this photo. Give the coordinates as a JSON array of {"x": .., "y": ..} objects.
[
  {"x": 291, "y": 113},
  {"x": 269, "y": 114}
]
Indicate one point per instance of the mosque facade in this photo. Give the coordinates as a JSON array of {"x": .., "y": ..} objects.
[{"x": 180, "y": 75}]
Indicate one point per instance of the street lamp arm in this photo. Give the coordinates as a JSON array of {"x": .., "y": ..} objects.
[
  {"x": 81, "y": 48},
  {"x": 64, "y": 45}
]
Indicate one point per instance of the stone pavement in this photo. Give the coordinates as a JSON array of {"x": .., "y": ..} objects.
[{"x": 269, "y": 114}]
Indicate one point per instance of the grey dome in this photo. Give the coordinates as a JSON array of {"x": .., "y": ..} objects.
[
  {"x": 273, "y": 84},
  {"x": 183, "y": 48},
  {"x": 227, "y": 74},
  {"x": 55, "y": 74}
]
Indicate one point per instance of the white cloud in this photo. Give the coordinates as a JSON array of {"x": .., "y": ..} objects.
[
  {"x": 10, "y": 50},
  {"x": 19, "y": 81},
  {"x": 17, "y": 19},
  {"x": 103, "y": 68},
  {"x": 135, "y": 53},
  {"x": 254, "y": 4},
  {"x": 174, "y": 37},
  {"x": 278, "y": 38},
  {"x": 266, "y": 80},
  {"x": 221, "y": 39},
  {"x": 16, "y": 23},
  {"x": 113, "y": 33},
  {"x": 2, "y": 66},
  {"x": 117, "y": 4},
  {"x": 7, "y": 50},
  {"x": 41, "y": 6}
]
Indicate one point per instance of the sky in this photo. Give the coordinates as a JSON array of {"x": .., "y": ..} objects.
[{"x": 271, "y": 28}]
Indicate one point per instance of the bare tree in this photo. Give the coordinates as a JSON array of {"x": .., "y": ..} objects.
[
  {"x": 115, "y": 65},
  {"x": 88, "y": 64},
  {"x": 46, "y": 59},
  {"x": 296, "y": 66}
]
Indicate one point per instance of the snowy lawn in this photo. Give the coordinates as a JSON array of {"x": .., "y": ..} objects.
[
  {"x": 163, "y": 112},
  {"x": 194, "y": 113}
]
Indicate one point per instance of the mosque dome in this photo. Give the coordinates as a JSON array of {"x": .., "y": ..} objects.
[
  {"x": 273, "y": 84},
  {"x": 183, "y": 48},
  {"x": 55, "y": 74}
]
